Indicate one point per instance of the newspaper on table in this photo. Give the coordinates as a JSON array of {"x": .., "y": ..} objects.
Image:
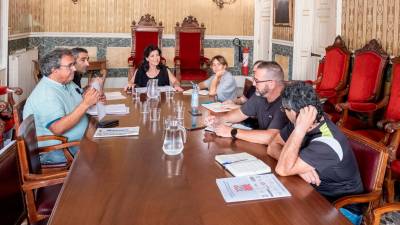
[
  {"x": 116, "y": 132},
  {"x": 115, "y": 95},
  {"x": 160, "y": 89},
  {"x": 247, "y": 188},
  {"x": 112, "y": 109},
  {"x": 190, "y": 91}
]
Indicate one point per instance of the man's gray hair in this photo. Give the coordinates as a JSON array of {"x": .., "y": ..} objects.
[
  {"x": 273, "y": 68},
  {"x": 77, "y": 50},
  {"x": 52, "y": 60}
]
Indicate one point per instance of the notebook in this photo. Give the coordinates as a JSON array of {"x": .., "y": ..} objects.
[{"x": 242, "y": 164}]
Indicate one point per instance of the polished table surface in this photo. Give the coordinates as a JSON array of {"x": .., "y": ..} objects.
[{"x": 129, "y": 180}]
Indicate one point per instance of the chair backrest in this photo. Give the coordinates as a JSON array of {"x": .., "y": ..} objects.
[
  {"x": 335, "y": 66},
  {"x": 145, "y": 33},
  {"x": 393, "y": 109},
  {"x": 18, "y": 115},
  {"x": 366, "y": 80},
  {"x": 189, "y": 42},
  {"x": 36, "y": 71},
  {"x": 371, "y": 158},
  {"x": 28, "y": 152}
]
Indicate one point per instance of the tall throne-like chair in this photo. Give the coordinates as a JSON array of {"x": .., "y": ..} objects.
[
  {"x": 190, "y": 63},
  {"x": 144, "y": 33}
]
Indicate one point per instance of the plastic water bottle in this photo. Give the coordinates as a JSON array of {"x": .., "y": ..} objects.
[{"x": 195, "y": 99}]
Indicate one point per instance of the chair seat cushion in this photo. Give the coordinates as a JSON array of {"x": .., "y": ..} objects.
[
  {"x": 193, "y": 74},
  {"x": 46, "y": 198},
  {"x": 327, "y": 93},
  {"x": 362, "y": 107}
]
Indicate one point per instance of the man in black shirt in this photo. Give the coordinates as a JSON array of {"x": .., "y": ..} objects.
[
  {"x": 81, "y": 64},
  {"x": 313, "y": 147},
  {"x": 264, "y": 105}
]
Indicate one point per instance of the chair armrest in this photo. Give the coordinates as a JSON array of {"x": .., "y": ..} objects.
[
  {"x": 63, "y": 139},
  {"x": 35, "y": 181},
  {"x": 389, "y": 207},
  {"x": 361, "y": 198},
  {"x": 177, "y": 61},
  {"x": 59, "y": 146}
]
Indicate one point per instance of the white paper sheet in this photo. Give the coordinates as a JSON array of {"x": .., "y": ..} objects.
[
  {"x": 112, "y": 109},
  {"x": 116, "y": 95},
  {"x": 266, "y": 186},
  {"x": 116, "y": 132}
]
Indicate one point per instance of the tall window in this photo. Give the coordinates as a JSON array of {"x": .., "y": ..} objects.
[{"x": 3, "y": 33}]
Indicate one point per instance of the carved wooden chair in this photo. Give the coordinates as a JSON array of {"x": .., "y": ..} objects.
[
  {"x": 146, "y": 32},
  {"x": 36, "y": 71},
  {"x": 387, "y": 131},
  {"x": 190, "y": 63},
  {"x": 6, "y": 117},
  {"x": 378, "y": 212},
  {"x": 365, "y": 86},
  {"x": 371, "y": 158},
  {"x": 18, "y": 119},
  {"x": 40, "y": 188}
]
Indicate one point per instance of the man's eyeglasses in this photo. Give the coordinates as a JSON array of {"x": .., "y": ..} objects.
[
  {"x": 260, "y": 81},
  {"x": 70, "y": 66}
]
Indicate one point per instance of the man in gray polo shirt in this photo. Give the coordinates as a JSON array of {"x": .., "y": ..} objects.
[{"x": 264, "y": 105}]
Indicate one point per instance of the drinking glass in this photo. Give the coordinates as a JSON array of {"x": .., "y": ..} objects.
[
  {"x": 144, "y": 107},
  {"x": 155, "y": 114},
  {"x": 180, "y": 113},
  {"x": 136, "y": 95},
  {"x": 169, "y": 94}
]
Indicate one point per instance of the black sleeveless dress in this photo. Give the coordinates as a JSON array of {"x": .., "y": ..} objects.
[{"x": 141, "y": 77}]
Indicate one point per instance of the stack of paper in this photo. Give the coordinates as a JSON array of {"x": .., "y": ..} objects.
[
  {"x": 116, "y": 95},
  {"x": 215, "y": 107},
  {"x": 236, "y": 189},
  {"x": 190, "y": 91},
  {"x": 112, "y": 109},
  {"x": 242, "y": 164},
  {"x": 116, "y": 132},
  {"x": 160, "y": 88}
]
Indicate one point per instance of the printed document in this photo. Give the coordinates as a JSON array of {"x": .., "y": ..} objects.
[
  {"x": 112, "y": 109},
  {"x": 115, "y": 95},
  {"x": 242, "y": 164},
  {"x": 116, "y": 132},
  {"x": 237, "y": 189}
]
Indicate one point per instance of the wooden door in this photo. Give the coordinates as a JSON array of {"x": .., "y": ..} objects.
[{"x": 262, "y": 29}]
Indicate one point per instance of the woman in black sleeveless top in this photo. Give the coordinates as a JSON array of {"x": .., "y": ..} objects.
[{"x": 151, "y": 68}]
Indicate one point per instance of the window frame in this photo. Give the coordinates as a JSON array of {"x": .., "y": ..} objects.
[{"x": 3, "y": 34}]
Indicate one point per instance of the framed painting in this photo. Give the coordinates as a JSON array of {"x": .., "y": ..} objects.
[{"x": 283, "y": 13}]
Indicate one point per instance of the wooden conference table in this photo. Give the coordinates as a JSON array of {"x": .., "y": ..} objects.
[{"x": 129, "y": 180}]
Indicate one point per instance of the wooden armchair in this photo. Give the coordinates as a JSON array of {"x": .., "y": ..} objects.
[
  {"x": 190, "y": 63},
  {"x": 365, "y": 85},
  {"x": 372, "y": 159},
  {"x": 333, "y": 71},
  {"x": 378, "y": 212},
  {"x": 146, "y": 32},
  {"x": 18, "y": 119},
  {"x": 40, "y": 188},
  {"x": 387, "y": 131},
  {"x": 6, "y": 118}
]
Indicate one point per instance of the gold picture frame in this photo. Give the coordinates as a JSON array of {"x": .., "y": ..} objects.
[{"x": 283, "y": 13}]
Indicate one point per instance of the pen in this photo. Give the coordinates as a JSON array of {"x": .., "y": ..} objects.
[{"x": 241, "y": 160}]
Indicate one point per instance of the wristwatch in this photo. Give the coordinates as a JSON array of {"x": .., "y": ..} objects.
[{"x": 234, "y": 133}]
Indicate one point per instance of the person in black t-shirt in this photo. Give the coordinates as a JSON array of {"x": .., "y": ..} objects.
[
  {"x": 81, "y": 56},
  {"x": 313, "y": 147},
  {"x": 264, "y": 105},
  {"x": 151, "y": 68}
]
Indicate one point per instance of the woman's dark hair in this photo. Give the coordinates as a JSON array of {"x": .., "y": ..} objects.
[
  {"x": 298, "y": 95},
  {"x": 146, "y": 53}
]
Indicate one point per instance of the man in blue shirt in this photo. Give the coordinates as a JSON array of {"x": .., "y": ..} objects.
[{"x": 57, "y": 103}]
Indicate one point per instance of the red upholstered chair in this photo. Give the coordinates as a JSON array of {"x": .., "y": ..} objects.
[
  {"x": 6, "y": 108},
  {"x": 333, "y": 71},
  {"x": 146, "y": 32},
  {"x": 388, "y": 131},
  {"x": 190, "y": 63},
  {"x": 372, "y": 159},
  {"x": 365, "y": 85},
  {"x": 40, "y": 188}
]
